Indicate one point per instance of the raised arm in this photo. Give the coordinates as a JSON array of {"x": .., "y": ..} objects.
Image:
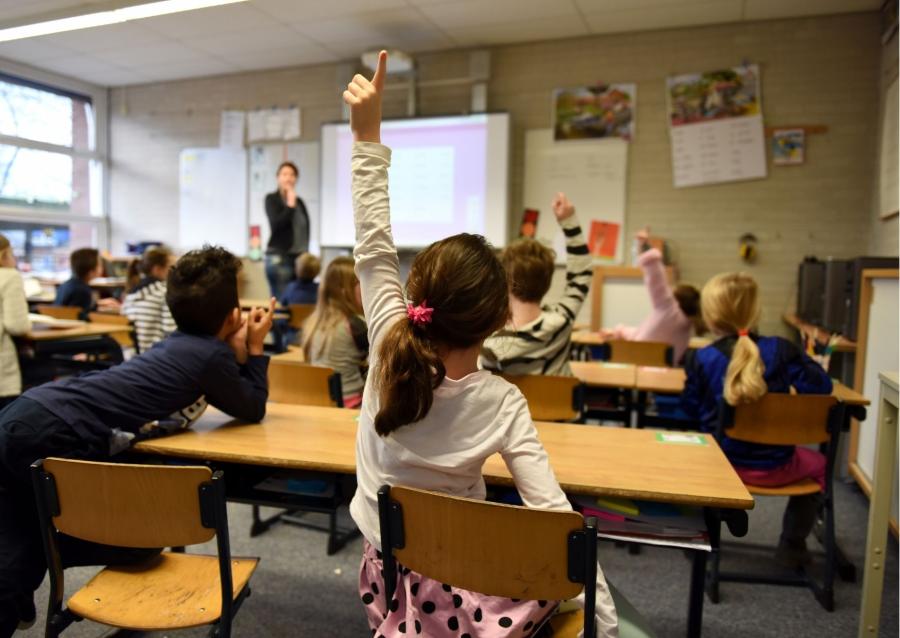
[
  {"x": 377, "y": 265},
  {"x": 651, "y": 262},
  {"x": 578, "y": 259}
]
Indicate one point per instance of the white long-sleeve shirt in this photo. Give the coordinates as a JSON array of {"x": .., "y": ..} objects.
[
  {"x": 13, "y": 322},
  {"x": 470, "y": 419}
]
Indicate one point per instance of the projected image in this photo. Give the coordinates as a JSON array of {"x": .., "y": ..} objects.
[{"x": 447, "y": 176}]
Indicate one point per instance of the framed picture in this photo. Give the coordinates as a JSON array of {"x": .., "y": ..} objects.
[
  {"x": 592, "y": 112},
  {"x": 788, "y": 146}
]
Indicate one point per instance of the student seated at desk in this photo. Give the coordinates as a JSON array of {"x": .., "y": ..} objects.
[
  {"x": 214, "y": 357},
  {"x": 430, "y": 418},
  {"x": 741, "y": 367},
  {"x": 676, "y": 311},
  {"x": 145, "y": 304},
  {"x": 13, "y": 322},
  {"x": 304, "y": 289},
  {"x": 85, "y": 264},
  {"x": 335, "y": 334},
  {"x": 537, "y": 339}
]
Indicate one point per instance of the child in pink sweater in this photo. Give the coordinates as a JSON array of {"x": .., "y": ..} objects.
[{"x": 675, "y": 313}]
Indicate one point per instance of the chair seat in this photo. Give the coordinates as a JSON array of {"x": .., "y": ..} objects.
[
  {"x": 170, "y": 591},
  {"x": 800, "y": 488}
]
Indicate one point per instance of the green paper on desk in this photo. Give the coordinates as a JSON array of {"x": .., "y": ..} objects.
[{"x": 681, "y": 439}]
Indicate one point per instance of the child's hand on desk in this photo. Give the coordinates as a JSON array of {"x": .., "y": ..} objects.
[
  {"x": 364, "y": 98},
  {"x": 237, "y": 341},
  {"x": 259, "y": 322},
  {"x": 562, "y": 207}
]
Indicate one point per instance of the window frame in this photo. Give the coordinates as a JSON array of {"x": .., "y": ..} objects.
[{"x": 99, "y": 102}]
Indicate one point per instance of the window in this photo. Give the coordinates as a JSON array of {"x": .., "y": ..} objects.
[{"x": 51, "y": 169}]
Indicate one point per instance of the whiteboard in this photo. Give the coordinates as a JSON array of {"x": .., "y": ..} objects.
[
  {"x": 592, "y": 173},
  {"x": 625, "y": 301},
  {"x": 882, "y": 352},
  {"x": 263, "y": 164},
  {"x": 212, "y": 205},
  {"x": 888, "y": 182}
]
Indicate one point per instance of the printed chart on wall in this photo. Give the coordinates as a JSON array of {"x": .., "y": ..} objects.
[
  {"x": 716, "y": 127},
  {"x": 263, "y": 163},
  {"x": 592, "y": 174}
]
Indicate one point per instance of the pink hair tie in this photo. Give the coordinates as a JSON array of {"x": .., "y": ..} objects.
[{"x": 419, "y": 315}]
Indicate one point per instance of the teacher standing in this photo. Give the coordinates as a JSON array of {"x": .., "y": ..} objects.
[{"x": 289, "y": 226}]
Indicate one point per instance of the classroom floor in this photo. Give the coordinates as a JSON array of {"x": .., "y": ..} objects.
[{"x": 299, "y": 591}]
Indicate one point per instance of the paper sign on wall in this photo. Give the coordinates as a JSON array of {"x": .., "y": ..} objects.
[
  {"x": 273, "y": 124},
  {"x": 715, "y": 125}
]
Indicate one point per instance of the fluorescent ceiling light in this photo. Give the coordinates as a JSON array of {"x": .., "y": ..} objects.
[{"x": 103, "y": 18}]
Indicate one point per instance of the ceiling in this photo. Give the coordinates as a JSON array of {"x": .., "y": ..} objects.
[{"x": 262, "y": 34}]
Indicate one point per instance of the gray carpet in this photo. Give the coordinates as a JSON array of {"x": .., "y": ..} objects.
[{"x": 299, "y": 591}]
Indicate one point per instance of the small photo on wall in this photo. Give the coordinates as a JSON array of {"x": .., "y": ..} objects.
[
  {"x": 603, "y": 239},
  {"x": 788, "y": 146},
  {"x": 592, "y": 112}
]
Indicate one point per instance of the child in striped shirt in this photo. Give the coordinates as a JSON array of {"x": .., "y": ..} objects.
[
  {"x": 537, "y": 339},
  {"x": 145, "y": 304}
]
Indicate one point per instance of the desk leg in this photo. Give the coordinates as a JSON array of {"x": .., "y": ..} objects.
[
  {"x": 879, "y": 511},
  {"x": 695, "y": 602}
]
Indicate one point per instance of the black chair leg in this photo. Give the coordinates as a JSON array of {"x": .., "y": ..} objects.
[{"x": 261, "y": 525}]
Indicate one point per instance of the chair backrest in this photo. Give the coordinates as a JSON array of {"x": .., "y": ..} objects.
[
  {"x": 303, "y": 384},
  {"x": 783, "y": 419},
  {"x": 299, "y": 313},
  {"x": 59, "y": 312},
  {"x": 494, "y": 549},
  {"x": 551, "y": 398},
  {"x": 123, "y": 338},
  {"x": 639, "y": 353},
  {"x": 128, "y": 505}
]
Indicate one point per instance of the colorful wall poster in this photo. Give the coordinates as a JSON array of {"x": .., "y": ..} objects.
[
  {"x": 603, "y": 239},
  {"x": 590, "y": 112},
  {"x": 715, "y": 126},
  {"x": 788, "y": 146}
]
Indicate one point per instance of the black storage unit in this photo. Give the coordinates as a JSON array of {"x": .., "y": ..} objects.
[
  {"x": 836, "y": 294},
  {"x": 811, "y": 290}
]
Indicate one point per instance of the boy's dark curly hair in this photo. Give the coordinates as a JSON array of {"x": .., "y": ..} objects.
[{"x": 202, "y": 290}]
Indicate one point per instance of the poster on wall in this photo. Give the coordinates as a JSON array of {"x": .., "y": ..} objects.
[
  {"x": 716, "y": 127},
  {"x": 788, "y": 146},
  {"x": 273, "y": 124},
  {"x": 591, "y": 112},
  {"x": 603, "y": 240}
]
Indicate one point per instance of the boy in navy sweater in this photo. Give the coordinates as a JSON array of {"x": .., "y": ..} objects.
[
  {"x": 76, "y": 291},
  {"x": 214, "y": 357}
]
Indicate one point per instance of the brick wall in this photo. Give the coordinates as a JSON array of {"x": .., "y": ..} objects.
[{"x": 814, "y": 71}]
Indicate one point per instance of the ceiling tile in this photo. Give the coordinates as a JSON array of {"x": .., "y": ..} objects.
[
  {"x": 32, "y": 51},
  {"x": 602, "y": 6},
  {"x": 300, "y": 10},
  {"x": 16, "y": 10},
  {"x": 112, "y": 77},
  {"x": 766, "y": 9},
  {"x": 275, "y": 58},
  {"x": 113, "y": 36},
  {"x": 210, "y": 21},
  {"x": 470, "y": 13},
  {"x": 665, "y": 17},
  {"x": 171, "y": 52},
  {"x": 524, "y": 31},
  {"x": 243, "y": 41},
  {"x": 191, "y": 69},
  {"x": 74, "y": 65}
]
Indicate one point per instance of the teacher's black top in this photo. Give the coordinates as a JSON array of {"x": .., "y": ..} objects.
[{"x": 289, "y": 226}]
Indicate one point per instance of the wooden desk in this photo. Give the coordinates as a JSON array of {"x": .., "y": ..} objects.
[
  {"x": 587, "y": 338},
  {"x": 587, "y": 460},
  {"x": 107, "y": 283},
  {"x": 880, "y": 506},
  {"x": 74, "y": 332},
  {"x": 600, "y": 374},
  {"x": 294, "y": 354},
  {"x": 821, "y": 335}
]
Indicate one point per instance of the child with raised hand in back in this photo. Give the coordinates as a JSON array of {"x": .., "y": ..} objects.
[
  {"x": 430, "y": 417},
  {"x": 741, "y": 367},
  {"x": 145, "y": 304},
  {"x": 13, "y": 322},
  {"x": 537, "y": 338},
  {"x": 676, "y": 311},
  {"x": 335, "y": 334},
  {"x": 214, "y": 357}
]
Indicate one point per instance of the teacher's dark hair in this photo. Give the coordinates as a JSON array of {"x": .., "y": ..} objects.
[{"x": 289, "y": 164}]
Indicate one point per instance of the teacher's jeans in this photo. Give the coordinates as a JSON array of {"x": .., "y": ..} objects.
[{"x": 279, "y": 272}]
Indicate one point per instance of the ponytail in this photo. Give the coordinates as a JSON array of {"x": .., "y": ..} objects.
[
  {"x": 744, "y": 381},
  {"x": 409, "y": 370},
  {"x": 133, "y": 275}
]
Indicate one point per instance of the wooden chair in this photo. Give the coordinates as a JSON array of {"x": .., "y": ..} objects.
[
  {"x": 299, "y": 313},
  {"x": 141, "y": 506},
  {"x": 527, "y": 554},
  {"x": 304, "y": 384},
  {"x": 789, "y": 419},
  {"x": 59, "y": 312},
  {"x": 551, "y": 398},
  {"x": 126, "y": 338},
  {"x": 639, "y": 353}
]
